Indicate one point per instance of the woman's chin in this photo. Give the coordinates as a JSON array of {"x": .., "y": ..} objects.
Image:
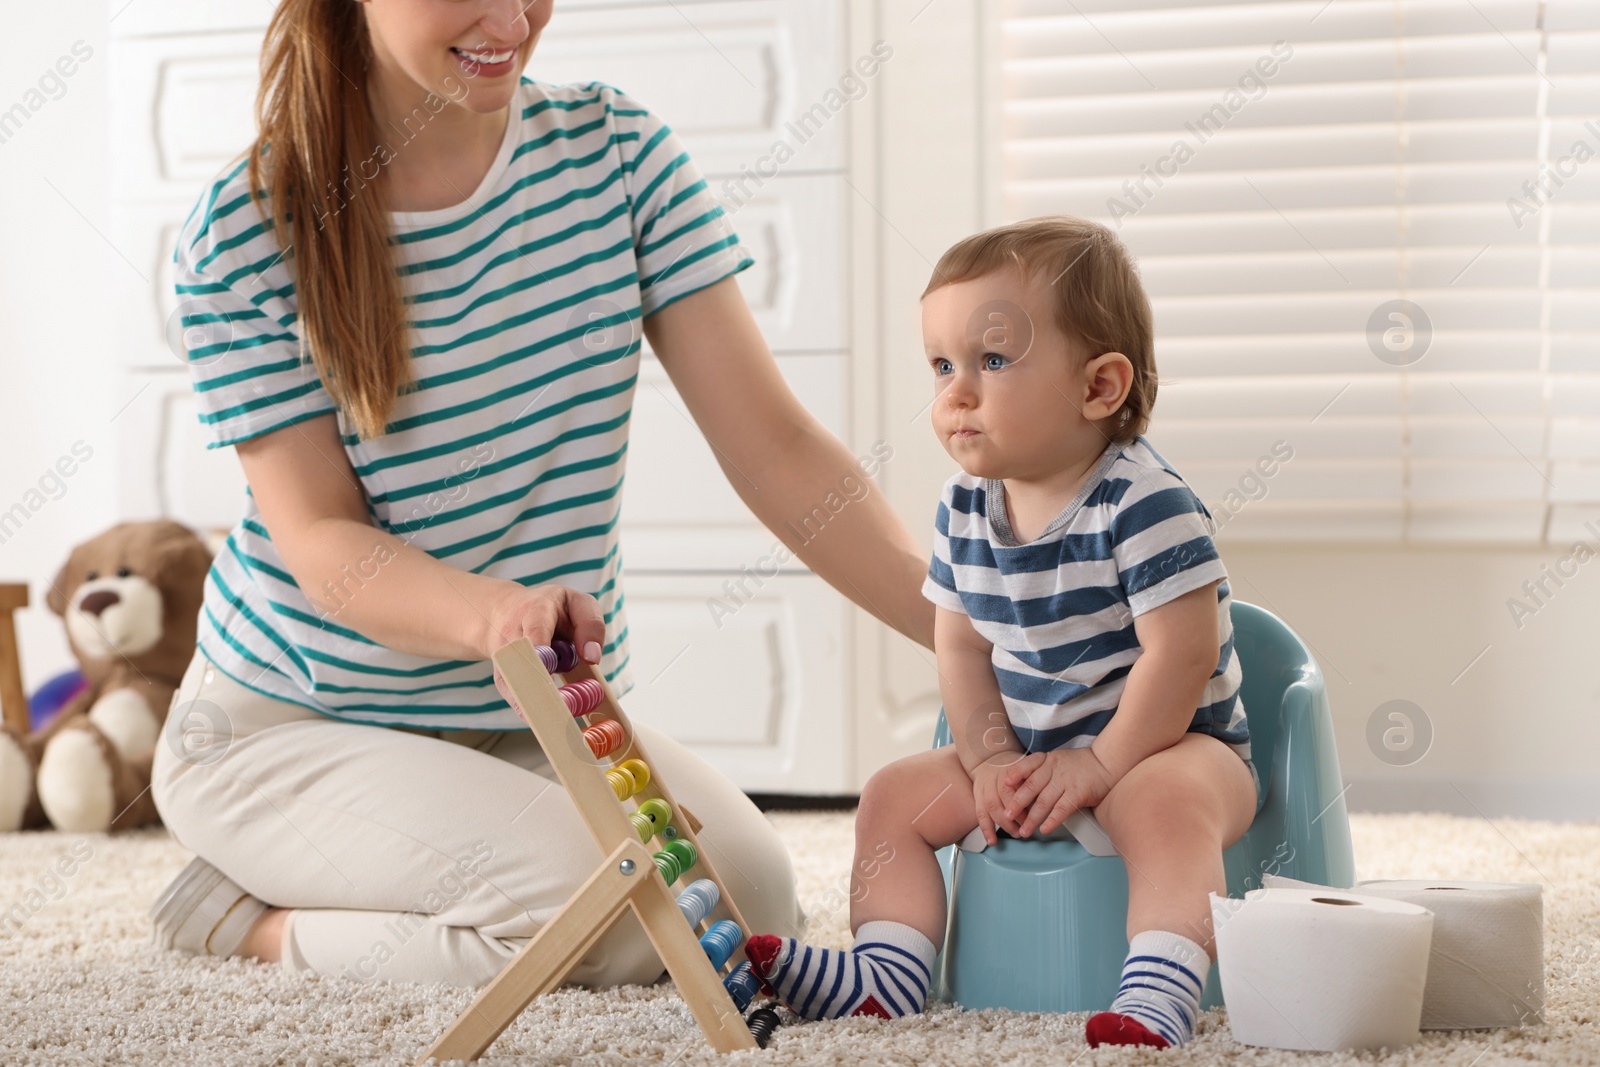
[
  {"x": 488, "y": 101},
  {"x": 476, "y": 97}
]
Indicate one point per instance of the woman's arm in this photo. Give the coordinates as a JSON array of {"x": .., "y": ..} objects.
[
  {"x": 400, "y": 596},
  {"x": 782, "y": 462}
]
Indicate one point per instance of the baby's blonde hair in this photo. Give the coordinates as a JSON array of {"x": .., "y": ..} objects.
[{"x": 1098, "y": 298}]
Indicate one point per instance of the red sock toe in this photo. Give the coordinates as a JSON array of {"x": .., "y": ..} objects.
[
  {"x": 762, "y": 951},
  {"x": 1110, "y": 1028}
]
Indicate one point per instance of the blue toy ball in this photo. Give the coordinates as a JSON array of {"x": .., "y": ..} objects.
[{"x": 54, "y": 695}]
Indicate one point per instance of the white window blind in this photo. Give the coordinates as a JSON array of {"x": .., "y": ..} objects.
[{"x": 1284, "y": 171}]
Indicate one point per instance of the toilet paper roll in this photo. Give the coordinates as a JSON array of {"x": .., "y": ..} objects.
[
  {"x": 1486, "y": 966},
  {"x": 1321, "y": 969}
]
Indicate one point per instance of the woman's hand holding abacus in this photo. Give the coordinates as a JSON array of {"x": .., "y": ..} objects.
[{"x": 542, "y": 613}]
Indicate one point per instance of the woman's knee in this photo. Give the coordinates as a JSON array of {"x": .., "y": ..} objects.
[
  {"x": 743, "y": 844},
  {"x": 773, "y": 907}
]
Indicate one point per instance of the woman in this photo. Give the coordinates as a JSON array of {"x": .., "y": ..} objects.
[{"x": 422, "y": 340}]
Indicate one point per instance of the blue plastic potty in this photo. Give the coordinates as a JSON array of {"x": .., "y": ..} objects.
[{"x": 1042, "y": 925}]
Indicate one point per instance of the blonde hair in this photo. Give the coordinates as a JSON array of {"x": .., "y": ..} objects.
[
  {"x": 315, "y": 129},
  {"x": 1098, "y": 298}
]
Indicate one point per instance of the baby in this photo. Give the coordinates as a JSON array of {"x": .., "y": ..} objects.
[{"x": 1084, "y": 644}]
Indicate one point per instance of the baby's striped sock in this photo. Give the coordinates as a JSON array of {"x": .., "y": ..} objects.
[
  {"x": 886, "y": 973},
  {"x": 1159, "y": 999}
]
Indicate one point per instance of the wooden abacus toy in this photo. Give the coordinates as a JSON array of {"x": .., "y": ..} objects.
[{"x": 600, "y": 761}]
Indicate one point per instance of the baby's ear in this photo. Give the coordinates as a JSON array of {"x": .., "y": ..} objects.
[{"x": 1109, "y": 379}]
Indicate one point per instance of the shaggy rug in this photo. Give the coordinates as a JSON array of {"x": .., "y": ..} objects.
[{"x": 79, "y": 982}]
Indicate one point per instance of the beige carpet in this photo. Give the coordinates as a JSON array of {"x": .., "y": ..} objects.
[{"x": 80, "y": 984}]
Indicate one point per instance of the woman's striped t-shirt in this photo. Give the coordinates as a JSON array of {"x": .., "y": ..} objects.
[
  {"x": 526, "y": 303},
  {"x": 1059, "y": 609}
]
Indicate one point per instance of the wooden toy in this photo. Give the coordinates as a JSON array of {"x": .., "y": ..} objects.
[{"x": 623, "y": 799}]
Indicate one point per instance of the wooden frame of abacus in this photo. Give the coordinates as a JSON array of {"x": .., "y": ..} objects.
[{"x": 626, "y": 878}]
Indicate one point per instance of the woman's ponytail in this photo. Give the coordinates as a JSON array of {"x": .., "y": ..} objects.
[{"x": 316, "y": 141}]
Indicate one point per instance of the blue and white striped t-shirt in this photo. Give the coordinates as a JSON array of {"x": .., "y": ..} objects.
[
  {"x": 1059, "y": 610},
  {"x": 507, "y": 459}
]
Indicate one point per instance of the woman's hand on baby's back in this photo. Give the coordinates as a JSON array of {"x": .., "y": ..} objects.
[{"x": 1049, "y": 786}]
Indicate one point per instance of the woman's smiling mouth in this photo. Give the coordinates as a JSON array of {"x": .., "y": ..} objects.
[{"x": 488, "y": 62}]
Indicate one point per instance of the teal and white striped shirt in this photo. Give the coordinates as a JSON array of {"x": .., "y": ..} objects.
[{"x": 507, "y": 459}]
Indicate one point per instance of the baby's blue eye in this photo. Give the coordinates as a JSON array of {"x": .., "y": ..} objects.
[
  {"x": 994, "y": 361},
  {"x": 942, "y": 367}
]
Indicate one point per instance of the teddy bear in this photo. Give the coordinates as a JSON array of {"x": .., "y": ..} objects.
[{"x": 130, "y": 598}]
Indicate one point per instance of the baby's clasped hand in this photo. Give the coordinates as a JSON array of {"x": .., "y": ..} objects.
[
  {"x": 1049, "y": 786},
  {"x": 993, "y": 797}
]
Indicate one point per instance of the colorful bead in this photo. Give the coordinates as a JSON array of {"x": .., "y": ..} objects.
[
  {"x": 684, "y": 851},
  {"x": 720, "y": 941},
  {"x": 566, "y": 655},
  {"x": 583, "y": 697},
  {"x": 697, "y": 901},
  {"x": 637, "y": 768},
  {"x": 762, "y": 1022},
  {"x": 642, "y": 826},
  {"x": 621, "y": 783},
  {"x": 742, "y": 985},
  {"x": 604, "y": 738},
  {"x": 667, "y": 864},
  {"x": 547, "y": 656},
  {"x": 657, "y": 811}
]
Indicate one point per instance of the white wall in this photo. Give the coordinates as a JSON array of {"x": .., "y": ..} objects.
[
  {"x": 1515, "y": 733},
  {"x": 55, "y": 383}
]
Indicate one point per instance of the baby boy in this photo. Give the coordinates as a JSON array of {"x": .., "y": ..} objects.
[{"x": 1083, "y": 640}]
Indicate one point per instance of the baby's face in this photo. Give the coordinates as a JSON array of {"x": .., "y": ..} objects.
[{"x": 1008, "y": 383}]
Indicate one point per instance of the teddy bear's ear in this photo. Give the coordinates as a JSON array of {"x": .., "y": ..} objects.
[
  {"x": 56, "y": 598},
  {"x": 181, "y": 559}
]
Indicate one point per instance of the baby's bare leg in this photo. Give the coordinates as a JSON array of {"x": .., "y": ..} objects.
[
  {"x": 909, "y": 810},
  {"x": 1170, "y": 818},
  {"x": 897, "y": 913}
]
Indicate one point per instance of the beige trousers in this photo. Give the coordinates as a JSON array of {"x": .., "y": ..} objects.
[{"x": 421, "y": 855}]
